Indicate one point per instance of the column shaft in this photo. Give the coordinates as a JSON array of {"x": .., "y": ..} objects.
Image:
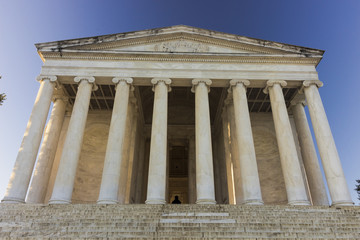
[
  {"x": 247, "y": 158},
  {"x": 24, "y": 164},
  {"x": 229, "y": 172},
  {"x": 192, "y": 171},
  {"x": 141, "y": 170},
  {"x": 131, "y": 152},
  {"x": 290, "y": 164},
  {"x": 205, "y": 188},
  {"x": 46, "y": 157},
  {"x": 234, "y": 146},
  {"x": 113, "y": 157},
  {"x": 158, "y": 154},
  {"x": 308, "y": 152},
  {"x": 339, "y": 191},
  {"x": 125, "y": 152},
  {"x": 65, "y": 178}
]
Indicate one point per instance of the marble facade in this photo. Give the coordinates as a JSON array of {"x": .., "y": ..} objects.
[{"x": 211, "y": 117}]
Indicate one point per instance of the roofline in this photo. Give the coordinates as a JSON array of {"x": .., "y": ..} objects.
[{"x": 100, "y": 39}]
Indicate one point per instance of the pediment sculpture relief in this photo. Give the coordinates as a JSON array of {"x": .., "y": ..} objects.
[{"x": 181, "y": 46}]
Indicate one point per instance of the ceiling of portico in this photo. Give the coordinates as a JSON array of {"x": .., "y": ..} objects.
[{"x": 181, "y": 101}]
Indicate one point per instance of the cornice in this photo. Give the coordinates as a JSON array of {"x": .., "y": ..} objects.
[{"x": 184, "y": 57}]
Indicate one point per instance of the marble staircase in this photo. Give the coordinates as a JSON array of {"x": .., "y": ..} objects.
[{"x": 91, "y": 221}]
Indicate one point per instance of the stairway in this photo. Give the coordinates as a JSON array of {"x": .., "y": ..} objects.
[{"x": 90, "y": 221}]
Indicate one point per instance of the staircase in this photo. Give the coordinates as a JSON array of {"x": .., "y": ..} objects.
[{"x": 92, "y": 221}]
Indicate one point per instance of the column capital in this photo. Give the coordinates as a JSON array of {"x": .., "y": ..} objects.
[
  {"x": 234, "y": 82},
  {"x": 167, "y": 82},
  {"x": 271, "y": 83},
  {"x": 89, "y": 79},
  {"x": 126, "y": 80},
  {"x": 318, "y": 83},
  {"x": 196, "y": 82},
  {"x": 51, "y": 78},
  {"x": 56, "y": 97},
  {"x": 298, "y": 99}
]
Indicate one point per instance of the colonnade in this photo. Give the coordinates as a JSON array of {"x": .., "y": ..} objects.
[{"x": 246, "y": 178}]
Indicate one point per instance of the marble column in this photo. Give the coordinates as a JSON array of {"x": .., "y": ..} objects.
[
  {"x": 294, "y": 182},
  {"x": 141, "y": 168},
  {"x": 339, "y": 191},
  {"x": 158, "y": 154},
  {"x": 205, "y": 189},
  {"x": 309, "y": 156},
  {"x": 228, "y": 163},
  {"x": 247, "y": 158},
  {"x": 132, "y": 149},
  {"x": 48, "y": 148},
  {"x": 25, "y": 161},
  {"x": 239, "y": 198},
  {"x": 65, "y": 178},
  {"x": 113, "y": 157},
  {"x": 124, "y": 168},
  {"x": 192, "y": 170}
]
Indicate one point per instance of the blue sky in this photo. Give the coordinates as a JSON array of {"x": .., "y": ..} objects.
[{"x": 333, "y": 26}]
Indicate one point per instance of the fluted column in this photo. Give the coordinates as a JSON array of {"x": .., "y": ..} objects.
[
  {"x": 64, "y": 182},
  {"x": 205, "y": 189},
  {"x": 24, "y": 164},
  {"x": 125, "y": 155},
  {"x": 247, "y": 158},
  {"x": 339, "y": 191},
  {"x": 309, "y": 156},
  {"x": 113, "y": 157},
  {"x": 228, "y": 162},
  {"x": 294, "y": 182},
  {"x": 158, "y": 154},
  {"x": 234, "y": 151},
  {"x": 48, "y": 148},
  {"x": 192, "y": 170}
]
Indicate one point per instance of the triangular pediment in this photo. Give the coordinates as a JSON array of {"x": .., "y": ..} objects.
[{"x": 176, "y": 39}]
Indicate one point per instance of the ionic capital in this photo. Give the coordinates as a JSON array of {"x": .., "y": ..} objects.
[
  {"x": 89, "y": 79},
  {"x": 166, "y": 81},
  {"x": 308, "y": 83},
  {"x": 318, "y": 83},
  {"x": 271, "y": 83},
  {"x": 60, "y": 97},
  {"x": 51, "y": 78},
  {"x": 118, "y": 80},
  {"x": 298, "y": 99},
  {"x": 234, "y": 82},
  {"x": 195, "y": 82}
]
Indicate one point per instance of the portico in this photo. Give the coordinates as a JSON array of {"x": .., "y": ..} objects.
[{"x": 143, "y": 116}]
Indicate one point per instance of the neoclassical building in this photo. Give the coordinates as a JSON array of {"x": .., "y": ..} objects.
[{"x": 210, "y": 117}]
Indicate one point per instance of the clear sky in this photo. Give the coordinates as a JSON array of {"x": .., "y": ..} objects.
[{"x": 333, "y": 26}]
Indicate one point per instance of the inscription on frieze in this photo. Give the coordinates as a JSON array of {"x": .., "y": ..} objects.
[{"x": 181, "y": 46}]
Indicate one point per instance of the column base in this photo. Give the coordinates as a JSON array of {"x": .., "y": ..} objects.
[
  {"x": 205, "y": 201},
  {"x": 253, "y": 202},
  {"x": 342, "y": 203},
  {"x": 107, "y": 201},
  {"x": 59, "y": 201},
  {"x": 155, "y": 201},
  {"x": 299, "y": 203},
  {"x": 12, "y": 200}
]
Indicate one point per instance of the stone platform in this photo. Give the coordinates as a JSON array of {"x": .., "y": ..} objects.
[{"x": 91, "y": 221}]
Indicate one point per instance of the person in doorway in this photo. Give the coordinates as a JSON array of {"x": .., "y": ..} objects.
[{"x": 176, "y": 200}]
